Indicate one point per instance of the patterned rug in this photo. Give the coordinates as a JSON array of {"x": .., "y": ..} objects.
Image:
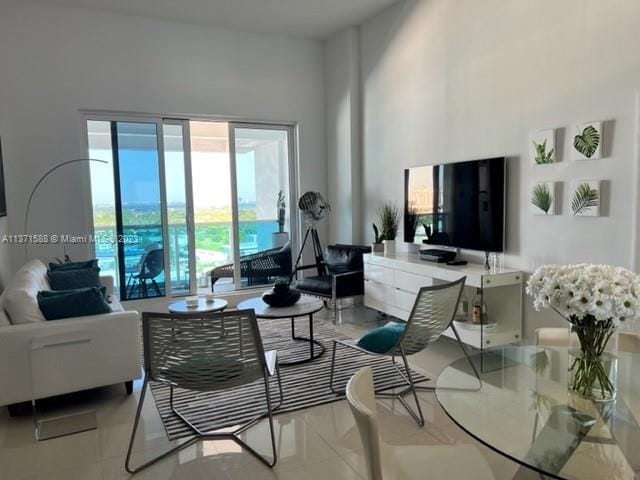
[{"x": 304, "y": 385}]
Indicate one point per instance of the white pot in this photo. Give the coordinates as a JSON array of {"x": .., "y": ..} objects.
[
  {"x": 377, "y": 248},
  {"x": 389, "y": 247}
]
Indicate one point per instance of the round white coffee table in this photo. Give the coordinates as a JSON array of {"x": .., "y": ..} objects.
[
  {"x": 203, "y": 306},
  {"x": 305, "y": 307}
]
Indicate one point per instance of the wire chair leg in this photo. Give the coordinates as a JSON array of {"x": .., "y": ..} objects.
[
  {"x": 419, "y": 418},
  {"x": 136, "y": 422},
  {"x": 466, "y": 354}
]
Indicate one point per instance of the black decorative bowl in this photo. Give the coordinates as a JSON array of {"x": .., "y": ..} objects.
[{"x": 281, "y": 297}]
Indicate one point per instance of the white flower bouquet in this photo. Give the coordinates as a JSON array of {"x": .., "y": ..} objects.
[{"x": 595, "y": 300}]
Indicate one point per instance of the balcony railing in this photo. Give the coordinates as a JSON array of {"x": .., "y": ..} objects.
[{"x": 212, "y": 246}]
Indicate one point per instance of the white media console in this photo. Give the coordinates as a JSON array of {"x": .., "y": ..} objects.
[{"x": 392, "y": 282}]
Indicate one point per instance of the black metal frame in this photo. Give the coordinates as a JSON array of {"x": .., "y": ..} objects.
[
  {"x": 199, "y": 434},
  {"x": 411, "y": 385},
  {"x": 312, "y": 344},
  {"x": 320, "y": 264}
]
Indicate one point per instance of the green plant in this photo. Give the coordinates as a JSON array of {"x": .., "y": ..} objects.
[
  {"x": 541, "y": 197},
  {"x": 542, "y": 156},
  {"x": 584, "y": 197},
  {"x": 389, "y": 219},
  {"x": 376, "y": 234},
  {"x": 411, "y": 220},
  {"x": 587, "y": 142},
  {"x": 281, "y": 281},
  {"x": 281, "y": 206}
]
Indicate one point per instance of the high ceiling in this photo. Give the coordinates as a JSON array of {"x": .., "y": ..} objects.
[{"x": 297, "y": 18}]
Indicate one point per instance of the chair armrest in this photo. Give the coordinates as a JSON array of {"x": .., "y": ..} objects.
[{"x": 338, "y": 279}]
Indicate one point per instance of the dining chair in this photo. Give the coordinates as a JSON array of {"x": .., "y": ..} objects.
[
  {"x": 193, "y": 351},
  {"x": 432, "y": 313},
  {"x": 390, "y": 462},
  {"x": 151, "y": 266}
]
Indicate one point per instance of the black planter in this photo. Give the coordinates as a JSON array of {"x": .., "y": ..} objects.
[{"x": 281, "y": 296}]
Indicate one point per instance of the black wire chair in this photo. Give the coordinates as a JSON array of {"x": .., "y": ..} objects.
[{"x": 151, "y": 266}]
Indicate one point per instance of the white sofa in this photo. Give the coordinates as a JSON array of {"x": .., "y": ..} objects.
[{"x": 40, "y": 358}]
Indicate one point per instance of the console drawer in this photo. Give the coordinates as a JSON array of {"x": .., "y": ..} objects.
[
  {"x": 411, "y": 282},
  {"x": 378, "y": 292},
  {"x": 378, "y": 274},
  {"x": 404, "y": 300}
]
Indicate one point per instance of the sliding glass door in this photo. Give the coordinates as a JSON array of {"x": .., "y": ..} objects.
[
  {"x": 209, "y": 200},
  {"x": 262, "y": 198}
]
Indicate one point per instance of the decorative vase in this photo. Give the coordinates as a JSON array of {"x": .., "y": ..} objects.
[
  {"x": 389, "y": 247},
  {"x": 281, "y": 295},
  {"x": 593, "y": 360}
]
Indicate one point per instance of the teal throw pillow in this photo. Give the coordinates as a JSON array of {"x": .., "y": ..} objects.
[
  {"x": 75, "y": 303},
  {"x": 383, "y": 339},
  {"x": 74, "y": 279}
]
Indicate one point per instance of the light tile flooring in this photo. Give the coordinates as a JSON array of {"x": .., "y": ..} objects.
[{"x": 316, "y": 443}]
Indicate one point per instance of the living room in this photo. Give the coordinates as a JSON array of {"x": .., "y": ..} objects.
[{"x": 249, "y": 147}]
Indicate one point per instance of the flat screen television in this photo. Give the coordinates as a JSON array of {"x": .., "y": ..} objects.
[{"x": 459, "y": 205}]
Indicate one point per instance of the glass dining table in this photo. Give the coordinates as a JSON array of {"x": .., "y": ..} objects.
[{"x": 523, "y": 410}]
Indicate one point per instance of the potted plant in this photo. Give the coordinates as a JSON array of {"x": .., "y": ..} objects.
[
  {"x": 280, "y": 237},
  {"x": 377, "y": 246},
  {"x": 389, "y": 220},
  {"x": 411, "y": 221},
  {"x": 595, "y": 300}
]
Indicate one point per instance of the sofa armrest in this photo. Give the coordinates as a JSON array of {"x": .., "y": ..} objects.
[
  {"x": 68, "y": 355},
  {"x": 107, "y": 282}
]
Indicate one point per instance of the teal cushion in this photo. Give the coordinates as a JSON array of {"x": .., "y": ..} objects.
[
  {"x": 75, "y": 303},
  {"x": 74, "y": 279},
  {"x": 383, "y": 339},
  {"x": 74, "y": 265}
]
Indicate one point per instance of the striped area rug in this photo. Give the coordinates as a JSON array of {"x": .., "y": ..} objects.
[{"x": 304, "y": 385}]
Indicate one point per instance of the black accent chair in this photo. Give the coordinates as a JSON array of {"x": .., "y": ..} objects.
[
  {"x": 259, "y": 268},
  {"x": 345, "y": 277},
  {"x": 152, "y": 266}
]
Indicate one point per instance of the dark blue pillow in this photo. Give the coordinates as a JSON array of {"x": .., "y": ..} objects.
[
  {"x": 75, "y": 303},
  {"x": 383, "y": 339},
  {"x": 74, "y": 265},
  {"x": 74, "y": 279}
]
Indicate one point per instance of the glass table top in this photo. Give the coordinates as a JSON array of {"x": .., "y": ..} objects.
[{"x": 524, "y": 411}]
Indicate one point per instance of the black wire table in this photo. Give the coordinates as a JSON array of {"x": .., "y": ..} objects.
[{"x": 305, "y": 307}]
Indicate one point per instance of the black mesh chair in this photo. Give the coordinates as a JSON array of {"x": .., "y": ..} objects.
[
  {"x": 259, "y": 268},
  {"x": 151, "y": 266},
  {"x": 345, "y": 277},
  {"x": 194, "y": 351}
]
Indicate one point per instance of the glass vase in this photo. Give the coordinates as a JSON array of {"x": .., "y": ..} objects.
[{"x": 593, "y": 359}]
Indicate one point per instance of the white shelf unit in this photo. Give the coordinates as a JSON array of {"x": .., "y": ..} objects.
[{"x": 392, "y": 282}]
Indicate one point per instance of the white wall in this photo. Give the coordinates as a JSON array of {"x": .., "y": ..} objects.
[
  {"x": 342, "y": 97},
  {"x": 55, "y": 61},
  {"x": 446, "y": 81}
]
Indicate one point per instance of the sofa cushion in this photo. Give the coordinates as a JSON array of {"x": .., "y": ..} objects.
[
  {"x": 74, "y": 279},
  {"x": 74, "y": 265},
  {"x": 82, "y": 302},
  {"x": 20, "y": 296}
]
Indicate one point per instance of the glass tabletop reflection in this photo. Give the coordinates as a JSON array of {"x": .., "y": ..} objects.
[{"x": 524, "y": 411}]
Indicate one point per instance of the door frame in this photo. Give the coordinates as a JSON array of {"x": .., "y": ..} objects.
[{"x": 159, "y": 119}]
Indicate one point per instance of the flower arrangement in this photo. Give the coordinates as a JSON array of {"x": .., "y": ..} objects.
[{"x": 595, "y": 300}]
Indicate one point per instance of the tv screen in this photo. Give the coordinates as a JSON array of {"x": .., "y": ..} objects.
[{"x": 456, "y": 204}]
